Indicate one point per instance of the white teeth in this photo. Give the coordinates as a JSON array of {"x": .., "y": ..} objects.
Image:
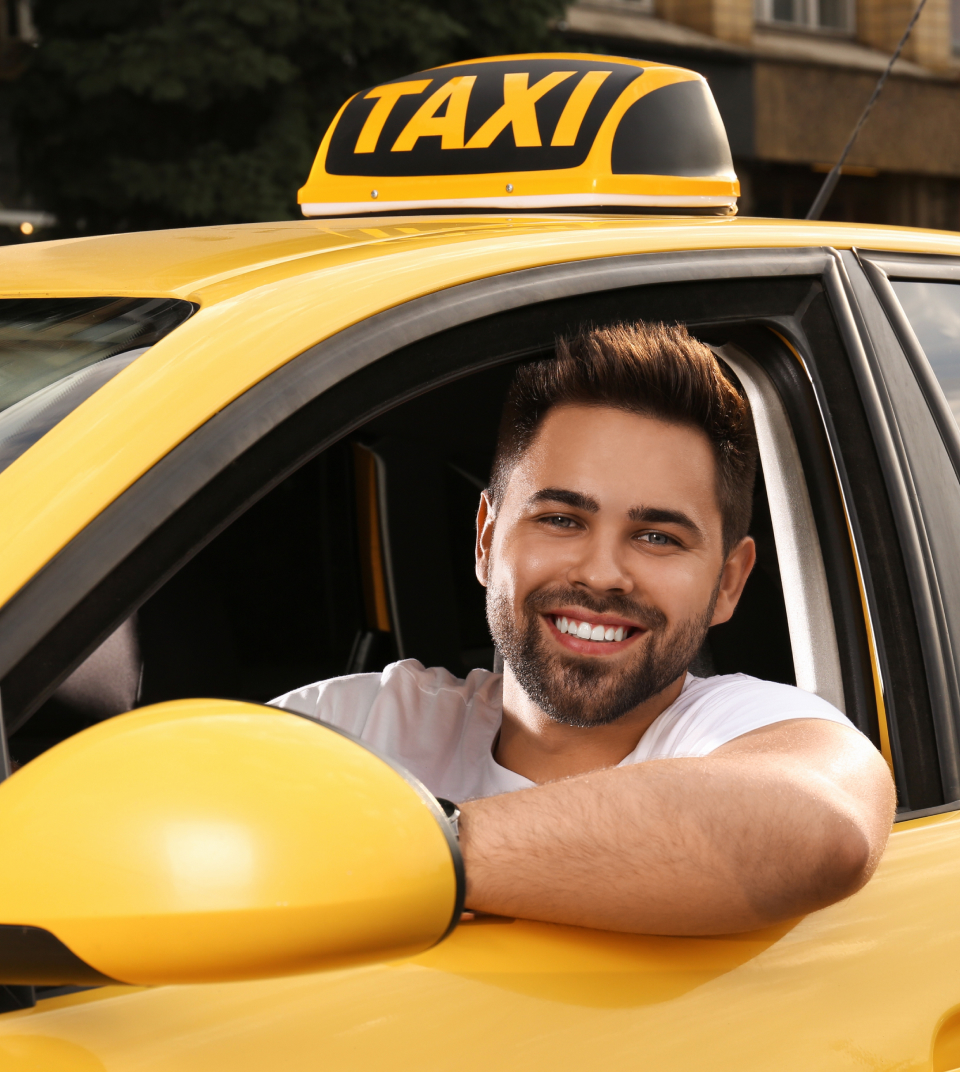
[{"x": 585, "y": 631}]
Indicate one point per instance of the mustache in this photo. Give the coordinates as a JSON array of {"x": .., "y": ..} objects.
[{"x": 645, "y": 614}]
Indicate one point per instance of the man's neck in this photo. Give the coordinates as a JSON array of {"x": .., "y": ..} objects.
[{"x": 532, "y": 744}]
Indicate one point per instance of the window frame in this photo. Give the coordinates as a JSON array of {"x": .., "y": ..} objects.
[
  {"x": 192, "y": 494},
  {"x": 806, "y": 593},
  {"x": 889, "y": 345}
]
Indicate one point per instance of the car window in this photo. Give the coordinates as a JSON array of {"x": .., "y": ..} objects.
[
  {"x": 279, "y": 557},
  {"x": 55, "y": 352},
  {"x": 363, "y": 556},
  {"x": 933, "y": 309}
]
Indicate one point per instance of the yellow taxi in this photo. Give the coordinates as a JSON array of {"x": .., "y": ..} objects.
[{"x": 237, "y": 459}]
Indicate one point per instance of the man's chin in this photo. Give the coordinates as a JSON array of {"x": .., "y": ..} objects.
[
  {"x": 586, "y": 689},
  {"x": 582, "y": 691}
]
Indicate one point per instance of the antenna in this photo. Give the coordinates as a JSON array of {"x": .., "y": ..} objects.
[{"x": 830, "y": 182}]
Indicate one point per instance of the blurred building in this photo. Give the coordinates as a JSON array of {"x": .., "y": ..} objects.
[{"x": 791, "y": 78}]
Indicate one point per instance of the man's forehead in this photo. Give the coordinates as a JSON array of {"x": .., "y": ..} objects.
[
  {"x": 618, "y": 458},
  {"x": 568, "y": 414},
  {"x": 574, "y": 434}
]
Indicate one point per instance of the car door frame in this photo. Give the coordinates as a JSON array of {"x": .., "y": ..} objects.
[
  {"x": 891, "y": 348},
  {"x": 61, "y": 592}
]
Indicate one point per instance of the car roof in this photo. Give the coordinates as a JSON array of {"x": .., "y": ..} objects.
[
  {"x": 206, "y": 264},
  {"x": 267, "y": 292}
]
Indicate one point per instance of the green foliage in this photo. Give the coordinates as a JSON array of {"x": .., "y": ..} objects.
[{"x": 160, "y": 113}]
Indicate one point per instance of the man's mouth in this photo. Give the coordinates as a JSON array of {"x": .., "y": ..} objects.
[{"x": 596, "y": 630}]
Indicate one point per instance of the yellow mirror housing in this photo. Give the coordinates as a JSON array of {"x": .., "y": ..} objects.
[{"x": 208, "y": 840}]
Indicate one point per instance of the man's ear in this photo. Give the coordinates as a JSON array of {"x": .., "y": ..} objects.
[
  {"x": 485, "y": 521},
  {"x": 733, "y": 577}
]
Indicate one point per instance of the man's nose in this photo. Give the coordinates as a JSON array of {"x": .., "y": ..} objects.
[{"x": 601, "y": 566}]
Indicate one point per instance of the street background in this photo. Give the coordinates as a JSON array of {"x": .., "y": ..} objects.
[{"x": 120, "y": 115}]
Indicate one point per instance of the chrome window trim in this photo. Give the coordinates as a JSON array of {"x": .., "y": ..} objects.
[{"x": 813, "y": 638}]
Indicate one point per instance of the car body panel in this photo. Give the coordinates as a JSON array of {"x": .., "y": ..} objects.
[
  {"x": 862, "y": 984},
  {"x": 260, "y": 308}
]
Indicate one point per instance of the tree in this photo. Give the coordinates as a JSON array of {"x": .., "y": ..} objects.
[{"x": 140, "y": 114}]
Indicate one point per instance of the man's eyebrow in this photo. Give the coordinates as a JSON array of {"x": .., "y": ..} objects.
[
  {"x": 658, "y": 515},
  {"x": 576, "y": 499}
]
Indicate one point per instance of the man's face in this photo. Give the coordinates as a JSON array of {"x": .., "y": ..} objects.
[{"x": 604, "y": 563}]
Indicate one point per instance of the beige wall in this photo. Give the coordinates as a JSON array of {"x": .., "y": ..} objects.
[
  {"x": 881, "y": 23},
  {"x": 805, "y": 113},
  {"x": 730, "y": 20}
]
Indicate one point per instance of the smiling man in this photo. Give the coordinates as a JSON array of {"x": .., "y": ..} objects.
[{"x": 600, "y": 782}]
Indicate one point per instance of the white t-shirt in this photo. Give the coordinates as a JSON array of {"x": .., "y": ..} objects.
[{"x": 442, "y": 728}]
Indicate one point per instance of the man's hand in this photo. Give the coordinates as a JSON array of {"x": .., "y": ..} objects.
[{"x": 779, "y": 822}]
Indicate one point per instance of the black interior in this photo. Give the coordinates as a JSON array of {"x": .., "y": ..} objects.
[{"x": 277, "y": 599}]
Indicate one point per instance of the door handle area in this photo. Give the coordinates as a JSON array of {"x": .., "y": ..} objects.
[{"x": 945, "y": 1055}]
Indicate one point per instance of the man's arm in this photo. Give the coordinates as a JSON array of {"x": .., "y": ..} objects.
[{"x": 778, "y": 822}]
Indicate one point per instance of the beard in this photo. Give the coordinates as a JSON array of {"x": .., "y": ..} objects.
[{"x": 586, "y": 691}]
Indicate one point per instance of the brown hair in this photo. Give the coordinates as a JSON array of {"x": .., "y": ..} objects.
[{"x": 654, "y": 370}]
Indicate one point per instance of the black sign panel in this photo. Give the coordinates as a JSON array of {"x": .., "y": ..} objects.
[
  {"x": 475, "y": 118},
  {"x": 676, "y": 130}
]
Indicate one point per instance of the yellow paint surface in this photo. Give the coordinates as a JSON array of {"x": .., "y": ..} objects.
[{"x": 864, "y": 984}]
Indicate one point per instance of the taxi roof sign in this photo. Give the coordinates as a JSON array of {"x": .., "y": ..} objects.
[{"x": 513, "y": 133}]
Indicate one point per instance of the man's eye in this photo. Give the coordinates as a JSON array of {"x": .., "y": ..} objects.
[
  {"x": 559, "y": 521},
  {"x": 658, "y": 539}
]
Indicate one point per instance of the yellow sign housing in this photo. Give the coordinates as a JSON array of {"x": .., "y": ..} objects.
[{"x": 548, "y": 131}]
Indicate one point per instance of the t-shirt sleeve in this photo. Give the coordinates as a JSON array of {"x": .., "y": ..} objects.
[
  {"x": 343, "y": 702},
  {"x": 716, "y": 711}
]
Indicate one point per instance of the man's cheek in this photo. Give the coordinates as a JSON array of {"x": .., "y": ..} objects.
[{"x": 678, "y": 586}]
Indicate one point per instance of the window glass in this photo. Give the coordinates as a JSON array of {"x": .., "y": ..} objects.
[
  {"x": 55, "y": 352},
  {"x": 834, "y": 14},
  {"x": 933, "y": 310},
  {"x": 808, "y": 14}
]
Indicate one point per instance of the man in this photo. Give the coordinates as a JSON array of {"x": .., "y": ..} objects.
[{"x": 600, "y": 783}]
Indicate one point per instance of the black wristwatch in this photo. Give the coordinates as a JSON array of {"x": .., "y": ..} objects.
[{"x": 452, "y": 813}]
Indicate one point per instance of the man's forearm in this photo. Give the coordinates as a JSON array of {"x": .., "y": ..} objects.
[{"x": 681, "y": 846}]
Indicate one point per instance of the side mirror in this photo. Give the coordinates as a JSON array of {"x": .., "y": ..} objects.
[{"x": 208, "y": 840}]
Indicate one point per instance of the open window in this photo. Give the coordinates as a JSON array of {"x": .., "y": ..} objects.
[{"x": 342, "y": 537}]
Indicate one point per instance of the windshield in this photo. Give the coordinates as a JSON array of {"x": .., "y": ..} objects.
[{"x": 55, "y": 352}]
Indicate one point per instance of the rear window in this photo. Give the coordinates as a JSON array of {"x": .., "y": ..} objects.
[{"x": 55, "y": 352}]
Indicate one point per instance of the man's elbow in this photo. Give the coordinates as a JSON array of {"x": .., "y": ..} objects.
[
  {"x": 843, "y": 864},
  {"x": 848, "y": 864},
  {"x": 858, "y": 834}
]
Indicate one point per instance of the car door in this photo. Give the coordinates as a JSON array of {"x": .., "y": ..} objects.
[
  {"x": 909, "y": 307},
  {"x": 850, "y": 602}
]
